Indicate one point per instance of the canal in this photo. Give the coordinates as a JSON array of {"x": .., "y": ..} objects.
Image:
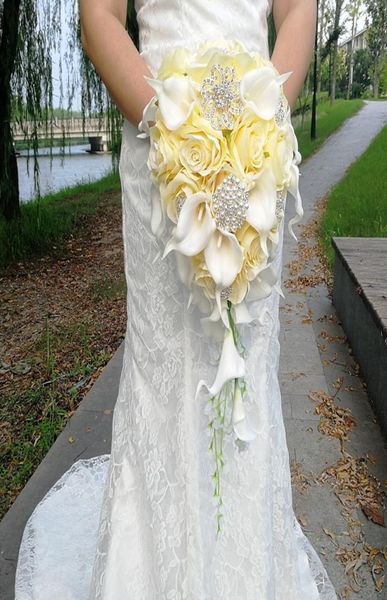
[{"x": 76, "y": 166}]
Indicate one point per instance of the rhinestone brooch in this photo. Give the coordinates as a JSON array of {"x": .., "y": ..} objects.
[
  {"x": 226, "y": 292},
  {"x": 230, "y": 202},
  {"x": 280, "y": 113},
  {"x": 280, "y": 204},
  {"x": 221, "y": 97},
  {"x": 180, "y": 199}
]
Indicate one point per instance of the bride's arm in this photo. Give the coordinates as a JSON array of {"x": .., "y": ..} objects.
[
  {"x": 295, "y": 24},
  {"x": 114, "y": 55}
]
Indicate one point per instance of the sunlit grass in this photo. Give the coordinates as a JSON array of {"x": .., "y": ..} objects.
[
  {"x": 357, "y": 205},
  {"x": 44, "y": 224}
]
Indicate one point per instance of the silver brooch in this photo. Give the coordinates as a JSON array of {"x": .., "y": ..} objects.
[
  {"x": 280, "y": 204},
  {"x": 280, "y": 113},
  {"x": 180, "y": 199},
  {"x": 221, "y": 97},
  {"x": 230, "y": 202},
  {"x": 226, "y": 292}
]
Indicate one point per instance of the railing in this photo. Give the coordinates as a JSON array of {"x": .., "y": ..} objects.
[{"x": 58, "y": 127}]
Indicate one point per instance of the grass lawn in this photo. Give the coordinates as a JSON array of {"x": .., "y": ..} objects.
[
  {"x": 329, "y": 118},
  {"x": 61, "y": 320},
  {"x": 357, "y": 205},
  {"x": 45, "y": 224}
]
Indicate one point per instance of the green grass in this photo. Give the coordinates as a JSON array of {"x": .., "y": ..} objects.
[
  {"x": 357, "y": 205},
  {"x": 32, "y": 420},
  {"x": 329, "y": 118},
  {"x": 45, "y": 223}
]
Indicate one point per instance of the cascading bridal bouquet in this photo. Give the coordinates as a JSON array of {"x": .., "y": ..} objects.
[{"x": 223, "y": 154}]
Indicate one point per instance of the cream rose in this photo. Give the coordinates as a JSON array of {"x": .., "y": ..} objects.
[
  {"x": 179, "y": 187},
  {"x": 279, "y": 154},
  {"x": 247, "y": 143},
  {"x": 163, "y": 159},
  {"x": 202, "y": 149}
]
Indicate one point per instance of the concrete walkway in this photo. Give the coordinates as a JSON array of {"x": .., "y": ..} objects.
[
  {"x": 314, "y": 356},
  {"x": 305, "y": 366}
]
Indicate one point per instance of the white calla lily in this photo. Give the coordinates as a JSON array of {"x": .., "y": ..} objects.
[
  {"x": 224, "y": 257},
  {"x": 260, "y": 90},
  {"x": 184, "y": 269},
  {"x": 231, "y": 365},
  {"x": 176, "y": 96},
  {"x": 262, "y": 203},
  {"x": 148, "y": 116},
  {"x": 242, "y": 314},
  {"x": 263, "y": 284},
  {"x": 194, "y": 226},
  {"x": 240, "y": 425},
  {"x": 295, "y": 192}
]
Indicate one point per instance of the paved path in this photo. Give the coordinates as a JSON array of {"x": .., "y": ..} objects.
[
  {"x": 90, "y": 428},
  {"x": 310, "y": 361}
]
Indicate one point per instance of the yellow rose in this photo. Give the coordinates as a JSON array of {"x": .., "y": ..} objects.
[
  {"x": 202, "y": 276},
  {"x": 202, "y": 149},
  {"x": 212, "y": 52},
  {"x": 247, "y": 142},
  {"x": 175, "y": 62},
  {"x": 253, "y": 261},
  {"x": 279, "y": 153},
  {"x": 180, "y": 186},
  {"x": 163, "y": 159}
]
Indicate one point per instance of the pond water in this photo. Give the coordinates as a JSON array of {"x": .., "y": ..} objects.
[{"x": 76, "y": 166}]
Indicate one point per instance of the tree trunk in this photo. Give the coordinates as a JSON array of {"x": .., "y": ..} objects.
[
  {"x": 333, "y": 74},
  {"x": 336, "y": 28},
  {"x": 320, "y": 45},
  {"x": 9, "y": 186},
  {"x": 376, "y": 84}
]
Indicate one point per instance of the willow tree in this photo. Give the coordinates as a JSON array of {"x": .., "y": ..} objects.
[{"x": 31, "y": 36}]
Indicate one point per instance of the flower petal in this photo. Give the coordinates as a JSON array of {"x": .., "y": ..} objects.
[
  {"x": 224, "y": 257},
  {"x": 191, "y": 234},
  {"x": 260, "y": 89},
  {"x": 242, "y": 429},
  {"x": 262, "y": 285},
  {"x": 231, "y": 365},
  {"x": 148, "y": 114},
  {"x": 242, "y": 314},
  {"x": 262, "y": 203},
  {"x": 294, "y": 190},
  {"x": 176, "y": 98}
]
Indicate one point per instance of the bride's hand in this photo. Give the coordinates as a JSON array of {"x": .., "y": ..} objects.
[{"x": 114, "y": 55}]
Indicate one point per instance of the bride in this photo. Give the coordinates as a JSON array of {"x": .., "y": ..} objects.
[{"x": 138, "y": 524}]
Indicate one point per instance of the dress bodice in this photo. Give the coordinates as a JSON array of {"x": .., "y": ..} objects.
[{"x": 166, "y": 23}]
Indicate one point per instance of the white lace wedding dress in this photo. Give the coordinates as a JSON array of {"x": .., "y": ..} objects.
[{"x": 139, "y": 524}]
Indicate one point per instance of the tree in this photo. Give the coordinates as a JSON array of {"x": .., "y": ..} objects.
[
  {"x": 354, "y": 11},
  {"x": 362, "y": 63},
  {"x": 377, "y": 39},
  {"x": 9, "y": 187},
  {"x": 335, "y": 36},
  {"x": 322, "y": 20},
  {"x": 31, "y": 31}
]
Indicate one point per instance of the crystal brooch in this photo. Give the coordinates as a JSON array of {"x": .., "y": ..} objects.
[
  {"x": 221, "y": 97},
  {"x": 230, "y": 202},
  {"x": 280, "y": 113}
]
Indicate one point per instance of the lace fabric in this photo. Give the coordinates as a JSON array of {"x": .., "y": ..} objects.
[{"x": 140, "y": 523}]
